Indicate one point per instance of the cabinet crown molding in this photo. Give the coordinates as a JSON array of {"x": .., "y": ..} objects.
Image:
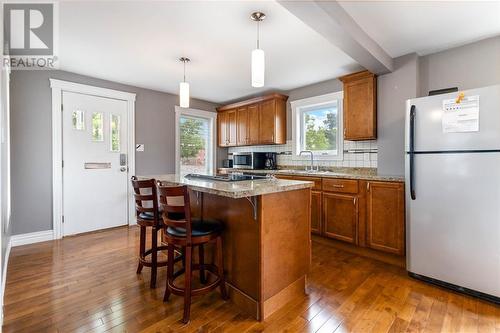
[
  {"x": 356, "y": 76},
  {"x": 252, "y": 101}
]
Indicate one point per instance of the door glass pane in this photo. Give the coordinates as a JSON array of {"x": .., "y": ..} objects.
[
  {"x": 114, "y": 126},
  {"x": 97, "y": 127},
  {"x": 78, "y": 120},
  {"x": 195, "y": 145}
]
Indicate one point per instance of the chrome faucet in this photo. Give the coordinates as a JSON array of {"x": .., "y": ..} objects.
[{"x": 312, "y": 159}]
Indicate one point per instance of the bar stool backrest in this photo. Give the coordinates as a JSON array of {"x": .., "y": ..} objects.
[
  {"x": 174, "y": 201},
  {"x": 146, "y": 199}
]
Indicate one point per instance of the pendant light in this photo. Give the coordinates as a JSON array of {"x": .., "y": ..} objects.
[
  {"x": 184, "y": 87},
  {"x": 258, "y": 58}
]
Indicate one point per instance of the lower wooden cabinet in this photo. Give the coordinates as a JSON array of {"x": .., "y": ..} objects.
[
  {"x": 360, "y": 212},
  {"x": 340, "y": 217},
  {"x": 385, "y": 217},
  {"x": 316, "y": 212}
]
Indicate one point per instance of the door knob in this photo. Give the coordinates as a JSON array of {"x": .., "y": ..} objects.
[{"x": 123, "y": 169}]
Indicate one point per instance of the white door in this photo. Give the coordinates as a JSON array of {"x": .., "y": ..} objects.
[{"x": 95, "y": 174}]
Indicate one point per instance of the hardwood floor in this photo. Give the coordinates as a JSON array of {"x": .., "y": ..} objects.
[{"x": 87, "y": 283}]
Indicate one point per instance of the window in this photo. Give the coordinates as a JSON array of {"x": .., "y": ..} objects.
[
  {"x": 317, "y": 126},
  {"x": 114, "y": 128},
  {"x": 195, "y": 140},
  {"x": 78, "y": 120},
  {"x": 97, "y": 125}
]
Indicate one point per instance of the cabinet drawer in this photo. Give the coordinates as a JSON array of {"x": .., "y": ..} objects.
[
  {"x": 340, "y": 185},
  {"x": 317, "y": 181}
]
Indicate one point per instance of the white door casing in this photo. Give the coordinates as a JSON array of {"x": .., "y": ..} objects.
[
  {"x": 94, "y": 175},
  {"x": 128, "y": 99}
]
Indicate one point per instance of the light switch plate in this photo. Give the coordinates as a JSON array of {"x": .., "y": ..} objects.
[{"x": 139, "y": 147}]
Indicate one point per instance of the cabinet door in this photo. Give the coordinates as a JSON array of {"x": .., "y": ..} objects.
[
  {"x": 340, "y": 217},
  {"x": 242, "y": 126},
  {"x": 360, "y": 109},
  {"x": 253, "y": 124},
  {"x": 222, "y": 129},
  {"x": 231, "y": 124},
  {"x": 385, "y": 217},
  {"x": 316, "y": 212},
  {"x": 267, "y": 116}
]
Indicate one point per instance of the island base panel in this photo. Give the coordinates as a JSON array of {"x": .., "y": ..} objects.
[{"x": 265, "y": 260}]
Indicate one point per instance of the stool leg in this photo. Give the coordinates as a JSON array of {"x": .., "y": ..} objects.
[
  {"x": 201, "y": 258},
  {"x": 187, "y": 285},
  {"x": 142, "y": 247},
  {"x": 154, "y": 256},
  {"x": 220, "y": 268},
  {"x": 170, "y": 271}
]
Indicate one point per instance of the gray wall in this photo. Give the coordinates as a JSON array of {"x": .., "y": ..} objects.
[
  {"x": 470, "y": 66},
  {"x": 32, "y": 140},
  {"x": 393, "y": 90}
]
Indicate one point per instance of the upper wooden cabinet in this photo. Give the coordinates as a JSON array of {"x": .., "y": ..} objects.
[
  {"x": 257, "y": 121},
  {"x": 360, "y": 106},
  {"x": 226, "y": 128}
]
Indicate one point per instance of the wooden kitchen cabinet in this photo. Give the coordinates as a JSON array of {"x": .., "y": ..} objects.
[
  {"x": 385, "y": 217},
  {"x": 222, "y": 129},
  {"x": 340, "y": 217},
  {"x": 241, "y": 126},
  {"x": 267, "y": 115},
  {"x": 232, "y": 131},
  {"x": 316, "y": 212},
  {"x": 226, "y": 128},
  {"x": 261, "y": 120},
  {"x": 253, "y": 124},
  {"x": 360, "y": 106}
]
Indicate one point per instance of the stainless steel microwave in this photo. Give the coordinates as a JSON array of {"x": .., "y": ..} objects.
[{"x": 254, "y": 160}]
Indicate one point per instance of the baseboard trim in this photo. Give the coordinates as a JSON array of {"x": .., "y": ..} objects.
[
  {"x": 32, "y": 237},
  {"x": 4, "y": 276}
]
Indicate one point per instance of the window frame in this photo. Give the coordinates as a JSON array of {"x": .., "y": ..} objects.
[
  {"x": 212, "y": 119},
  {"x": 298, "y": 107}
]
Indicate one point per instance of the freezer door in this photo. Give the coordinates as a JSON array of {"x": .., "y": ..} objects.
[
  {"x": 429, "y": 134},
  {"x": 453, "y": 225}
]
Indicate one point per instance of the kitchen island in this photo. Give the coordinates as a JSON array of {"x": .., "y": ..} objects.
[{"x": 267, "y": 237}]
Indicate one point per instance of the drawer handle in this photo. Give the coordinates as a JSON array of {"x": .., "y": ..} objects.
[{"x": 338, "y": 186}]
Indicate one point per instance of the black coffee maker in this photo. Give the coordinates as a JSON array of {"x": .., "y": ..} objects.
[{"x": 270, "y": 161}]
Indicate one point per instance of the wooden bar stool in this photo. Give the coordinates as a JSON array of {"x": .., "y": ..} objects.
[
  {"x": 148, "y": 216},
  {"x": 188, "y": 233}
]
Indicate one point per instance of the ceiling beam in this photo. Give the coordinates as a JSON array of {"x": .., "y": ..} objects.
[{"x": 330, "y": 19}]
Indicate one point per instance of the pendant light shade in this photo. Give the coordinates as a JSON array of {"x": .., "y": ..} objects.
[
  {"x": 184, "y": 87},
  {"x": 258, "y": 56},
  {"x": 258, "y": 68},
  {"x": 184, "y": 94}
]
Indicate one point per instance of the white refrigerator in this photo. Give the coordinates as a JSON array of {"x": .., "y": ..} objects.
[{"x": 452, "y": 166}]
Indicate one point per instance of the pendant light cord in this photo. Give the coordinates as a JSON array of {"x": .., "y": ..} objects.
[
  {"x": 258, "y": 34},
  {"x": 184, "y": 70}
]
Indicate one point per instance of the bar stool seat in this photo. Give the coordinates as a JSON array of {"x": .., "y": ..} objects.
[
  {"x": 198, "y": 228},
  {"x": 190, "y": 233}
]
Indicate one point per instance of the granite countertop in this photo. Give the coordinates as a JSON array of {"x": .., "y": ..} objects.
[
  {"x": 235, "y": 190},
  {"x": 348, "y": 173}
]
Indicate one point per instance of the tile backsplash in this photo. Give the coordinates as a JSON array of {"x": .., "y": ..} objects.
[{"x": 357, "y": 154}]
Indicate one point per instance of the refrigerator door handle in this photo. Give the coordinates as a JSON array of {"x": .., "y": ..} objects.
[{"x": 412, "y": 153}]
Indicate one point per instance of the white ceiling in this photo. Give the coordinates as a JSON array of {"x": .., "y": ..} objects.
[
  {"x": 139, "y": 43},
  {"x": 402, "y": 27}
]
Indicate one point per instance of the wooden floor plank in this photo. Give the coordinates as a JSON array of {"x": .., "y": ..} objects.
[{"x": 87, "y": 283}]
